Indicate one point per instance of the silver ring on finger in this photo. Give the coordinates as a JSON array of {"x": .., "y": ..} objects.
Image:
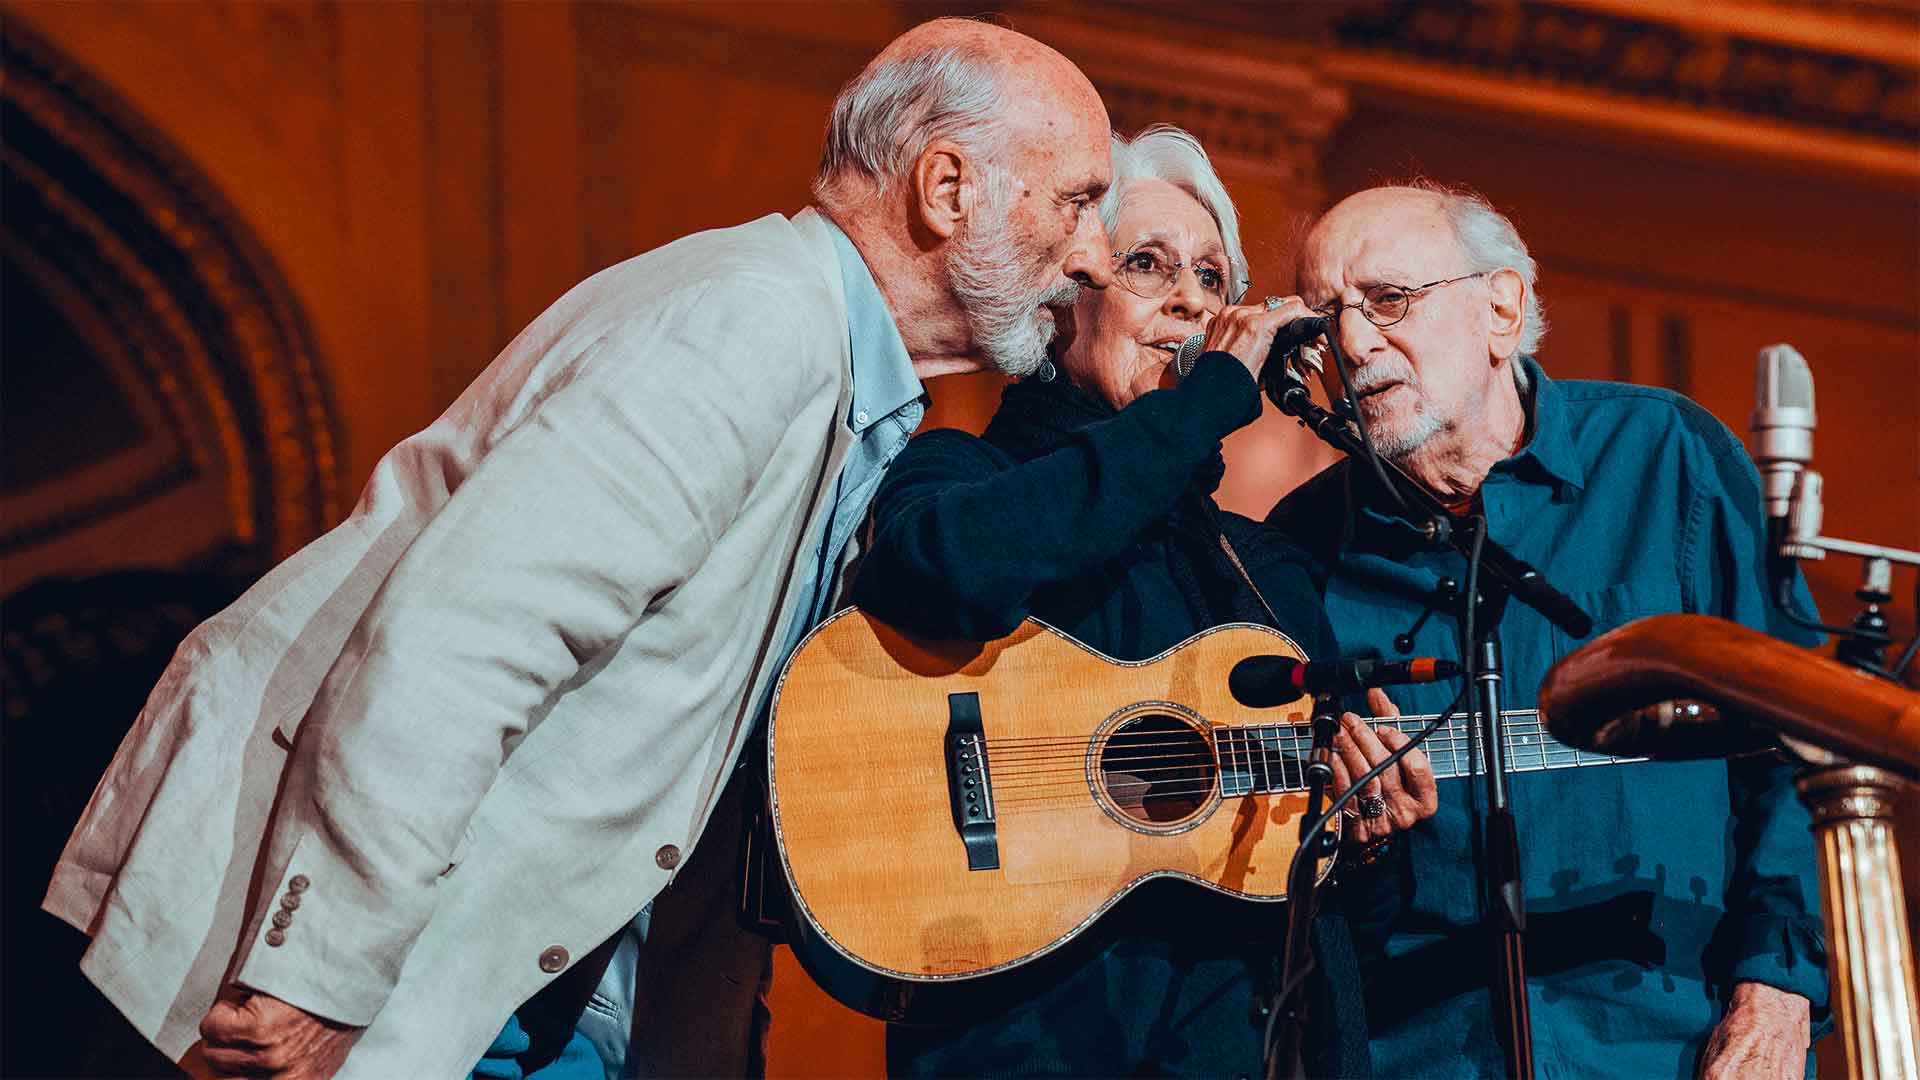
[
  {"x": 1273, "y": 302},
  {"x": 1372, "y": 806}
]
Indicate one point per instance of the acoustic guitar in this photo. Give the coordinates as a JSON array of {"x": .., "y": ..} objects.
[{"x": 948, "y": 812}]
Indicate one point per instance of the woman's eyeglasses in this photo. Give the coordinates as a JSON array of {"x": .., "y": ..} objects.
[{"x": 1150, "y": 272}]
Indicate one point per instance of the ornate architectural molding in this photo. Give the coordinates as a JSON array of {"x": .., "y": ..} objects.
[
  {"x": 1758, "y": 77},
  {"x": 153, "y": 288},
  {"x": 1267, "y": 112}
]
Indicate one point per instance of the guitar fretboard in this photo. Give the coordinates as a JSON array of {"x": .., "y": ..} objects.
[{"x": 1258, "y": 759}]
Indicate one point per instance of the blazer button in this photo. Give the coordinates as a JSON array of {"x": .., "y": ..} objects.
[
  {"x": 291, "y": 901},
  {"x": 298, "y": 883},
  {"x": 276, "y": 937},
  {"x": 553, "y": 960},
  {"x": 283, "y": 919},
  {"x": 667, "y": 857}
]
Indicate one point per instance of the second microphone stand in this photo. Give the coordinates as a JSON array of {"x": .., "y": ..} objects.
[{"x": 1502, "y": 576}]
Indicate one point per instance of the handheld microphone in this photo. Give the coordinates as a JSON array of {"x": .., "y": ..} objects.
[
  {"x": 1782, "y": 447},
  {"x": 1262, "y": 682},
  {"x": 1290, "y": 337}
]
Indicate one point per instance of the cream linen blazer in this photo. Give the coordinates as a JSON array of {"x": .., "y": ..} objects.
[{"x": 458, "y": 741}]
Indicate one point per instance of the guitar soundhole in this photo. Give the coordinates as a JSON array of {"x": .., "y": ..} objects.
[{"x": 1157, "y": 769}]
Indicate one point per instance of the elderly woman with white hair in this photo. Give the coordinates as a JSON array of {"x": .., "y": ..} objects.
[{"x": 1088, "y": 503}]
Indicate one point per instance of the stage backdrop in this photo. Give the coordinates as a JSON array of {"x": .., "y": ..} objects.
[{"x": 284, "y": 236}]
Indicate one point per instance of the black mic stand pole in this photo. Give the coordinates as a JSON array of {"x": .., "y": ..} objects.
[
  {"x": 1503, "y": 576},
  {"x": 1506, "y": 906},
  {"x": 1303, "y": 900}
]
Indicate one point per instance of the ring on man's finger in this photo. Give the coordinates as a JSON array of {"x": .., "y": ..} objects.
[
  {"x": 1372, "y": 806},
  {"x": 1274, "y": 302}
]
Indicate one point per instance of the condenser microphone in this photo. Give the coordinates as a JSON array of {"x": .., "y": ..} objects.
[
  {"x": 1782, "y": 424},
  {"x": 1261, "y": 682},
  {"x": 1782, "y": 445},
  {"x": 1291, "y": 336}
]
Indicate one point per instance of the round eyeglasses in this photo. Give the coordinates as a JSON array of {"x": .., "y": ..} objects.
[
  {"x": 1149, "y": 271},
  {"x": 1384, "y": 305}
]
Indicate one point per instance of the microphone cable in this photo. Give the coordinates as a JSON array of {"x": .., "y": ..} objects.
[{"x": 1292, "y": 981}]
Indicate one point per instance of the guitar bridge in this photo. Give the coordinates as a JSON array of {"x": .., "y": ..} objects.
[{"x": 969, "y": 786}]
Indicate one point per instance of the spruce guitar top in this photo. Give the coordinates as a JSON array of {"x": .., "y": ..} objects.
[{"x": 945, "y": 811}]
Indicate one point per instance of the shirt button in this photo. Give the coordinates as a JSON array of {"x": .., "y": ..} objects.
[
  {"x": 283, "y": 919},
  {"x": 298, "y": 883},
  {"x": 860, "y": 417},
  {"x": 291, "y": 901},
  {"x": 553, "y": 960},
  {"x": 667, "y": 857},
  {"x": 276, "y": 937}
]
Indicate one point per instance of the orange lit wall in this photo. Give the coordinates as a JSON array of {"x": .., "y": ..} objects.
[{"x": 429, "y": 177}]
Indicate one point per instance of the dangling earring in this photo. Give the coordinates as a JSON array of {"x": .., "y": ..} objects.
[{"x": 1046, "y": 372}]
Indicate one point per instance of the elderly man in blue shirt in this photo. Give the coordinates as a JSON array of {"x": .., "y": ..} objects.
[{"x": 1674, "y": 924}]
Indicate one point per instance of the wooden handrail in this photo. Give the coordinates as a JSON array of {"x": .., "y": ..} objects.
[{"x": 1751, "y": 678}]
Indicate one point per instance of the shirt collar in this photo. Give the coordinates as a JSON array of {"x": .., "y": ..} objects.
[
  {"x": 1549, "y": 451},
  {"x": 1550, "y": 448},
  {"x": 883, "y": 378}
]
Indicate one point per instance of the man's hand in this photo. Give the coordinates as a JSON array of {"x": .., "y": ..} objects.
[
  {"x": 1764, "y": 1035},
  {"x": 1399, "y": 798},
  {"x": 250, "y": 1034}
]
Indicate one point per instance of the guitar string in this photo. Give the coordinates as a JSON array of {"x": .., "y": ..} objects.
[
  {"x": 1012, "y": 749},
  {"x": 1265, "y": 755},
  {"x": 1256, "y": 779},
  {"x": 1529, "y": 744},
  {"x": 1008, "y": 795},
  {"x": 1248, "y": 760},
  {"x": 1240, "y": 761},
  {"x": 1227, "y": 741},
  {"x": 1258, "y": 773},
  {"x": 1375, "y": 721}
]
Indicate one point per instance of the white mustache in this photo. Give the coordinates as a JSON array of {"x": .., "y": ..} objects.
[
  {"x": 1065, "y": 294},
  {"x": 1381, "y": 372}
]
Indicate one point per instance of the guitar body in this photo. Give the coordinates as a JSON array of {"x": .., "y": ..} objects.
[{"x": 947, "y": 812}]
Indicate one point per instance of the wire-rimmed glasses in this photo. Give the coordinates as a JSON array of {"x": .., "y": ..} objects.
[
  {"x": 1384, "y": 304},
  {"x": 1150, "y": 270}
]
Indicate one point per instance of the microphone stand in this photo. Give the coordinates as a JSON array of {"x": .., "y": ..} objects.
[
  {"x": 1506, "y": 906},
  {"x": 1303, "y": 900},
  {"x": 1505, "y": 576}
]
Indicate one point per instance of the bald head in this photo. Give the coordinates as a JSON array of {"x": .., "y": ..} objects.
[
  {"x": 985, "y": 88},
  {"x": 966, "y": 163},
  {"x": 1433, "y": 290},
  {"x": 1440, "y": 218}
]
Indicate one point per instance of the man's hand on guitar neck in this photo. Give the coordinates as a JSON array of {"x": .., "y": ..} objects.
[{"x": 1398, "y": 798}]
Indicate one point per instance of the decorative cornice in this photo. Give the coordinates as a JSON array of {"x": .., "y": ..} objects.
[
  {"x": 1267, "y": 113},
  {"x": 1616, "y": 51}
]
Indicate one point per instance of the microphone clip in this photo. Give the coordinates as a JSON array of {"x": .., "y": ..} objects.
[{"x": 1444, "y": 592}]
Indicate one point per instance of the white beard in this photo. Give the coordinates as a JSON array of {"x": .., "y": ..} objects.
[
  {"x": 1011, "y": 325},
  {"x": 1418, "y": 423}
]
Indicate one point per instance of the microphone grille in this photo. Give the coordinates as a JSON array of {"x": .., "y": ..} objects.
[
  {"x": 1189, "y": 352},
  {"x": 1781, "y": 380}
]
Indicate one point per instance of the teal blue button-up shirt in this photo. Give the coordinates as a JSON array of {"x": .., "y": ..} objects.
[{"x": 1651, "y": 887}]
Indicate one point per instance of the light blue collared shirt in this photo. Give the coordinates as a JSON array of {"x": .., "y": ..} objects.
[{"x": 888, "y": 405}]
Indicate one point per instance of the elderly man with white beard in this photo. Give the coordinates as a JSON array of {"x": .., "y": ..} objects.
[
  {"x": 436, "y": 758},
  {"x": 1673, "y": 913}
]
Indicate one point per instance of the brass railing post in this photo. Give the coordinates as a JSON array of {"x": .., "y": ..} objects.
[{"x": 1869, "y": 955}]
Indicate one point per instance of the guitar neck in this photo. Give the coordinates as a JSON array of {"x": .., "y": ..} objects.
[
  {"x": 1264, "y": 758},
  {"x": 1454, "y": 748}
]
